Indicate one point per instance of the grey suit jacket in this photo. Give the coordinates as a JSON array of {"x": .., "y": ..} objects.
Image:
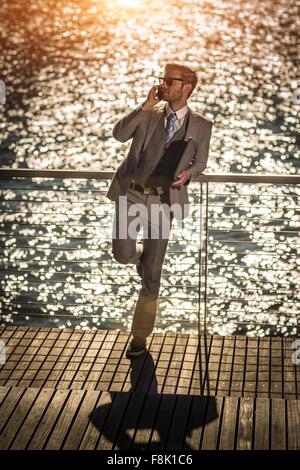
[{"x": 139, "y": 126}]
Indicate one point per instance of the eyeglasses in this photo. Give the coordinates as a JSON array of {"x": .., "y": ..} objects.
[{"x": 169, "y": 80}]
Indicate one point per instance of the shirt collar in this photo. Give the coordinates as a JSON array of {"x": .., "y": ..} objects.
[{"x": 180, "y": 112}]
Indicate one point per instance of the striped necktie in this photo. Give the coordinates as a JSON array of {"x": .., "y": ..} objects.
[{"x": 170, "y": 129}]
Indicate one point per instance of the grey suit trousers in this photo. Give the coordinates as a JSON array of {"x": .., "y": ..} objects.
[{"x": 152, "y": 214}]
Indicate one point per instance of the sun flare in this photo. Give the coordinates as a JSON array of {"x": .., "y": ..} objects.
[{"x": 130, "y": 3}]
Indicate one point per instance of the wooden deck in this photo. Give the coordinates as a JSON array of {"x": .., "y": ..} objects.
[{"x": 74, "y": 389}]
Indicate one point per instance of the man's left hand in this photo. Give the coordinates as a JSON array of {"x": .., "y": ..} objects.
[{"x": 182, "y": 178}]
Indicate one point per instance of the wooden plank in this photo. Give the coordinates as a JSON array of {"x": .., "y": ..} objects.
[
  {"x": 20, "y": 411},
  {"x": 103, "y": 358},
  {"x": 263, "y": 375},
  {"x": 212, "y": 424},
  {"x": 229, "y": 424},
  {"x": 276, "y": 372},
  {"x": 151, "y": 386},
  {"x": 278, "y": 431},
  {"x": 251, "y": 369},
  {"x": 171, "y": 380},
  {"x": 238, "y": 367},
  {"x": 289, "y": 380},
  {"x": 176, "y": 436},
  {"x": 3, "y": 393},
  {"x": 68, "y": 413},
  {"x": 97, "y": 420},
  {"x": 262, "y": 424},
  {"x": 15, "y": 355},
  {"x": 35, "y": 355},
  {"x": 191, "y": 355},
  {"x": 196, "y": 422},
  {"x": 164, "y": 360},
  {"x": 89, "y": 362},
  {"x": 245, "y": 424},
  {"x": 293, "y": 419},
  {"x": 25, "y": 432},
  {"x": 45, "y": 426},
  {"x": 110, "y": 429},
  {"x": 224, "y": 379},
  {"x": 203, "y": 366},
  {"x": 211, "y": 383},
  {"x": 122, "y": 368},
  {"x": 67, "y": 355},
  {"x": 11, "y": 400},
  {"x": 81, "y": 421}
]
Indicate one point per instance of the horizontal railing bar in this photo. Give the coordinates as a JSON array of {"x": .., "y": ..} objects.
[
  {"x": 256, "y": 323},
  {"x": 92, "y": 247},
  {"x": 211, "y": 218},
  {"x": 193, "y": 204},
  {"x": 96, "y": 273},
  {"x": 278, "y": 293},
  {"x": 185, "y": 251},
  {"x": 181, "y": 320},
  {"x": 212, "y": 205},
  {"x": 85, "y": 295},
  {"x": 72, "y": 201},
  {"x": 243, "y": 231},
  {"x": 25, "y": 260},
  {"x": 112, "y": 321},
  {"x": 96, "y": 223},
  {"x": 195, "y": 252},
  {"x": 236, "y": 299},
  {"x": 45, "y": 239},
  {"x": 17, "y": 282},
  {"x": 92, "y": 283},
  {"x": 116, "y": 274},
  {"x": 14, "y": 303},
  {"x": 86, "y": 174},
  {"x": 99, "y": 249},
  {"x": 192, "y": 299},
  {"x": 95, "y": 239},
  {"x": 216, "y": 311},
  {"x": 226, "y": 230},
  {"x": 50, "y": 189},
  {"x": 92, "y": 316},
  {"x": 160, "y": 309},
  {"x": 100, "y": 263}
]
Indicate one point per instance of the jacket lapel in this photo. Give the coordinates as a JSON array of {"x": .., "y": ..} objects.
[
  {"x": 193, "y": 127},
  {"x": 154, "y": 120}
]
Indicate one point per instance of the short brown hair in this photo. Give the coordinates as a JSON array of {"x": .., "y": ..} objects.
[{"x": 187, "y": 74}]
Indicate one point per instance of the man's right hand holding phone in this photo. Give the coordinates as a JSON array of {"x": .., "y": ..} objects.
[{"x": 152, "y": 99}]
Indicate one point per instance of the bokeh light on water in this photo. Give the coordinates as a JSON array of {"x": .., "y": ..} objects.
[{"x": 73, "y": 68}]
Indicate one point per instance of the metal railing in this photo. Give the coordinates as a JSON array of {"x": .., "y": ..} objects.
[{"x": 235, "y": 262}]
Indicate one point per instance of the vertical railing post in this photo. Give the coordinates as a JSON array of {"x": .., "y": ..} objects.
[{"x": 206, "y": 258}]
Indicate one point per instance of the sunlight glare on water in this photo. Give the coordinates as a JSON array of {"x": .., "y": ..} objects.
[{"x": 71, "y": 70}]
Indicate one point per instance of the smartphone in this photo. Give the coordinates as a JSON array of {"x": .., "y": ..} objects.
[{"x": 159, "y": 92}]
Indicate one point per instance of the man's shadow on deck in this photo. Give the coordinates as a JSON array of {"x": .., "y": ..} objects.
[{"x": 146, "y": 411}]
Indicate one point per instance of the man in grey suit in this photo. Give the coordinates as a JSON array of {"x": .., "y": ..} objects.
[{"x": 170, "y": 145}]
